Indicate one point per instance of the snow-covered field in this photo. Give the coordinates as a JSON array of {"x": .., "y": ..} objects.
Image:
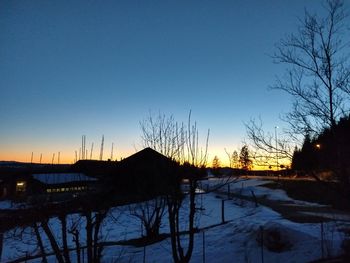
[{"x": 238, "y": 240}]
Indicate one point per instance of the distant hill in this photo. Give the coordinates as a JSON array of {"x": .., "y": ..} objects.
[
  {"x": 11, "y": 164},
  {"x": 8, "y": 168}
]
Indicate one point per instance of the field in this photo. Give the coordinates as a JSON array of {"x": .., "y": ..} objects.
[{"x": 259, "y": 223}]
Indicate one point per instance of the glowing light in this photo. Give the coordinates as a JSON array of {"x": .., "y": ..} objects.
[{"x": 20, "y": 187}]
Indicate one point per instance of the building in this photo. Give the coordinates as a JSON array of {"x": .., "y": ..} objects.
[
  {"x": 59, "y": 186},
  {"x": 145, "y": 173},
  {"x": 64, "y": 182}
]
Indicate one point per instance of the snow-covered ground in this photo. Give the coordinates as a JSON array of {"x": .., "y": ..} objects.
[
  {"x": 238, "y": 240},
  {"x": 245, "y": 187},
  {"x": 10, "y": 205}
]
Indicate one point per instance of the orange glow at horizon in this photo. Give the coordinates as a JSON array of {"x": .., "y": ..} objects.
[
  {"x": 68, "y": 157},
  {"x": 52, "y": 157}
]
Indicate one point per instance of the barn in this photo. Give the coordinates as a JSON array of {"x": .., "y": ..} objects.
[{"x": 61, "y": 186}]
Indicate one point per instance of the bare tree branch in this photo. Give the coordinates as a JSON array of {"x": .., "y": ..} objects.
[{"x": 318, "y": 76}]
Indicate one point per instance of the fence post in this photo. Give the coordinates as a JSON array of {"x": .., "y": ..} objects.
[
  {"x": 1, "y": 243},
  {"x": 242, "y": 185},
  {"x": 255, "y": 199},
  {"x": 222, "y": 211},
  {"x": 141, "y": 228},
  {"x": 144, "y": 254},
  {"x": 203, "y": 243},
  {"x": 322, "y": 240},
  {"x": 228, "y": 191},
  {"x": 262, "y": 243}
]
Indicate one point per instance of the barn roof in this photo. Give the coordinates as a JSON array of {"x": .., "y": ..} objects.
[
  {"x": 61, "y": 178},
  {"x": 145, "y": 156}
]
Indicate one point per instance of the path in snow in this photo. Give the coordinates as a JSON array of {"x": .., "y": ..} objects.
[{"x": 295, "y": 210}]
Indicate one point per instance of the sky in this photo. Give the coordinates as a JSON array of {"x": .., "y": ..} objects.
[{"x": 93, "y": 68}]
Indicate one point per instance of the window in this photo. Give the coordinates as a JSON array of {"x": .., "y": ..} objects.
[{"x": 21, "y": 186}]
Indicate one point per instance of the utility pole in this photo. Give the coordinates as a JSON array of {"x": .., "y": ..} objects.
[
  {"x": 83, "y": 143},
  {"x": 85, "y": 147},
  {"x": 92, "y": 147},
  {"x": 112, "y": 152},
  {"x": 101, "y": 151},
  {"x": 276, "y": 127}
]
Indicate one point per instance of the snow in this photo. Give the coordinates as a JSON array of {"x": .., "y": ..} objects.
[
  {"x": 235, "y": 241},
  {"x": 10, "y": 205},
  {"x": 246, "y": 187}
]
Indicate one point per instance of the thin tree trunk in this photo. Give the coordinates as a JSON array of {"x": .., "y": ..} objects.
[
  {"x": 40, "y": 243},
  {"x": 53, "y": 241},
  {"x": 175, "y": 232},
  {"x": 64, "y": 238},
  {"x": 178, "y": 232},
  {"x": 191, "y": 221},
  {"x": 97, "y": 252},
  {"x": 1, "y": 243},
  {"x": 89, "y": 248},
  {"x": 172, "y": 225},
  {"x": 77, "y": 244}
]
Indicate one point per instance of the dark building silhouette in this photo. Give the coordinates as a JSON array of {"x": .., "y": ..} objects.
[{"x": 145, "y": 173}]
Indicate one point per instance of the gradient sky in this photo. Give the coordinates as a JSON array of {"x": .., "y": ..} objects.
[{"x": 73, "y": 68}]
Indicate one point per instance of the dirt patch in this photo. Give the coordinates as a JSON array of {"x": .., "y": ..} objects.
[
  {"x": 292, "y": 211},
  {"x": 326, "y": 193}
]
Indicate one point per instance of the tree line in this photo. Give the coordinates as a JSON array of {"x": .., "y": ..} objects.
[
  {"x": 328, "y": 151},
  {"x": 317, "y": 80}
]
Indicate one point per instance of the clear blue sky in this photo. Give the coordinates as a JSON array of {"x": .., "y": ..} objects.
[{"x": 69, "y": 68}]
